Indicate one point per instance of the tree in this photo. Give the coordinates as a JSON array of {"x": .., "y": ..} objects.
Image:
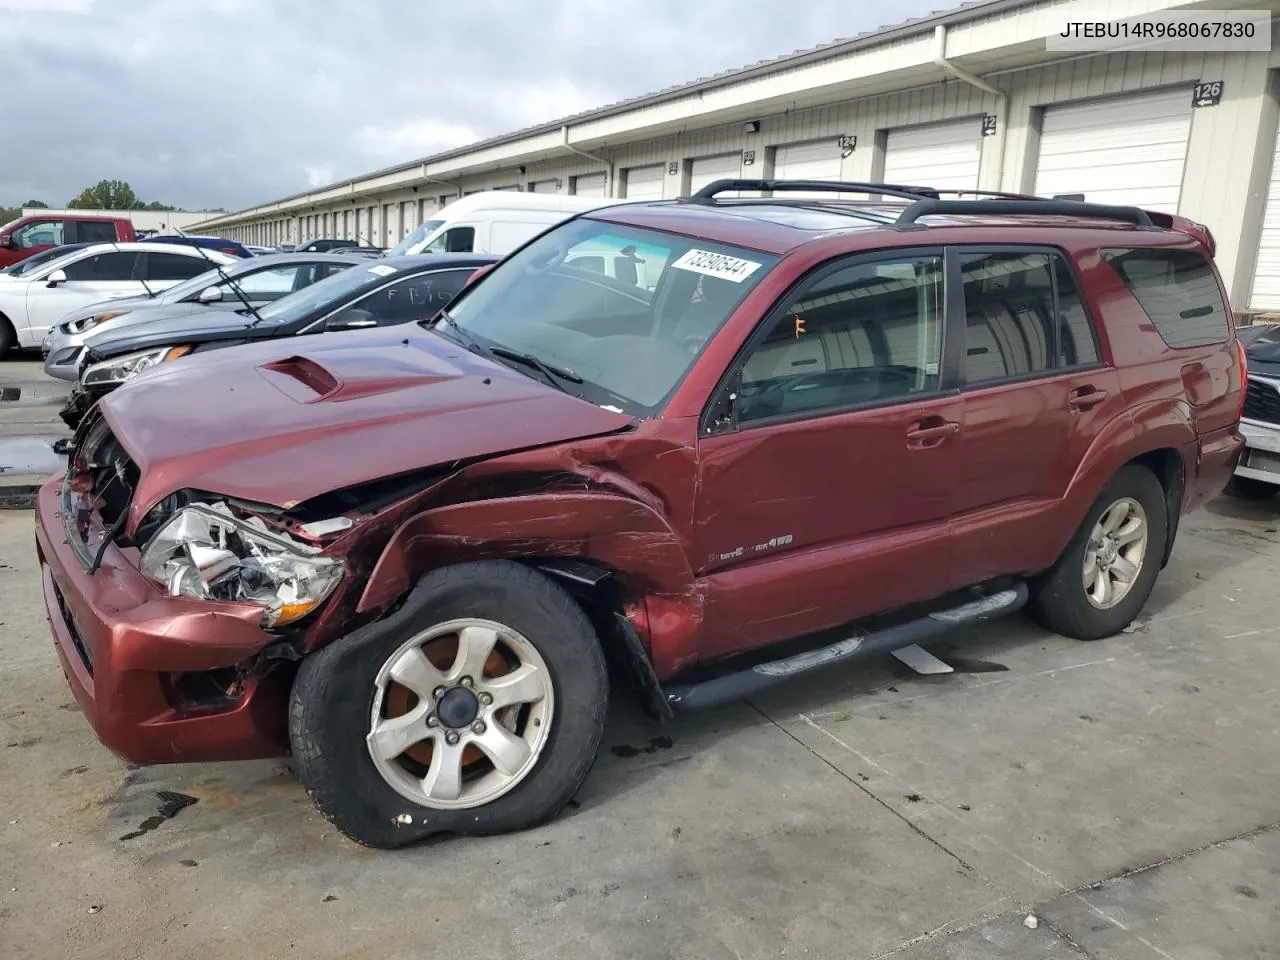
[
  {"x": 107, "y": 195},
  {"x": 36, "y": 203}
]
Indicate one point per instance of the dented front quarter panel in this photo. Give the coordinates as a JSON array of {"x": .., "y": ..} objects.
[{"x": 595, "y": 499}]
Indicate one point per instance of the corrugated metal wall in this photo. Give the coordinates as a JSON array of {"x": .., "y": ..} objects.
[{"x": 1227, "y": 166}]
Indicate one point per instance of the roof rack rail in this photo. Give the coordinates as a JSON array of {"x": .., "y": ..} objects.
[
  {"x": 1058, "y": 208},
  {"x": 815, "y": 186}
]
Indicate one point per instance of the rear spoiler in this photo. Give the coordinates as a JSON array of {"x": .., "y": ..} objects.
[{"x": 1188, "y": 228}]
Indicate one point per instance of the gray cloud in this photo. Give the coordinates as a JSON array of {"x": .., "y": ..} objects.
[{"x": 235, "y": 102}]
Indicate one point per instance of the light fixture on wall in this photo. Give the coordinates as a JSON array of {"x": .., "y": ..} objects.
[{"x": 752, "y": 126}]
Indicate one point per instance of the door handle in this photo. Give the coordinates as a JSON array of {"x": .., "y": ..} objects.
[
  {"x": 1085, "y": 398},
  {"x": 930, "y": 432}
]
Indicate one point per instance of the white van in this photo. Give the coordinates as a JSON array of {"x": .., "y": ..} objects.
[{"x": 493, "y": 221}]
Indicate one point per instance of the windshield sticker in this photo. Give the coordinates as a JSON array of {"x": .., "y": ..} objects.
[
  {"x": 382, "y": 270},
  {"x": 716, "y": 265}
]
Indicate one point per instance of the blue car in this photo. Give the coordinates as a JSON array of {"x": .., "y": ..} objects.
[{"x": 229, "y": 247}]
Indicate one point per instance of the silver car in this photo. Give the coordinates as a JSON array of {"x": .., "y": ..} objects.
[{"x": 260, "y": 280}]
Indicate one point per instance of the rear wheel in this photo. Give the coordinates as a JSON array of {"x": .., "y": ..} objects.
[
  {"x": 477, "y": 707},
  {"x": 7, "y": 337},
  {"x": 1104, "y": 577},
  {"x": 1251, "y": 489}
]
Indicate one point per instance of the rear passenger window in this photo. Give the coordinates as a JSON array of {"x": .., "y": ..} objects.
[
  {"x": 868, "y": 333},
  {"x": 1024, "y": 316},
  {"x": 1177, "y": 290},
  {"x": 95, "y": 231},
  {"x": 174, "y": 266}
]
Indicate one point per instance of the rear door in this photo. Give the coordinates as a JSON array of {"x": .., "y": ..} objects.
[
  {"x": 828, "y": 496},
  {"x": 1036, "y": 393},
  {"x": 99, "y": 276},
  {"x": 164, "y": 270}
]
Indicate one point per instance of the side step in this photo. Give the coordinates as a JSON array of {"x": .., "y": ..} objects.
[{"x": 745, "y": 683}]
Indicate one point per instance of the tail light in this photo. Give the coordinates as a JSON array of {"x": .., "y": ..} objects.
[{"x": 1244, "y": 382}]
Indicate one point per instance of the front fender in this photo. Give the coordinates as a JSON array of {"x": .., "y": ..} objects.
[{"x": 629, "y": 537}]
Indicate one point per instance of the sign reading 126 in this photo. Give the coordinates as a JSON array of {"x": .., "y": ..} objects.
[{"x": 1207, "y": 94}]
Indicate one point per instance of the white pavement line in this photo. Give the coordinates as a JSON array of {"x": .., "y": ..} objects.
[
  {"x": 951, "y": 814},
  {"x": 1116, "y": 923}
]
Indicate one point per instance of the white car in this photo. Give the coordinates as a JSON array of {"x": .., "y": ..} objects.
[{"x": 31, "y": 304}]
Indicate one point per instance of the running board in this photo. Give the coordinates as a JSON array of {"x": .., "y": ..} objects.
[{"x": 745, "y": 683}]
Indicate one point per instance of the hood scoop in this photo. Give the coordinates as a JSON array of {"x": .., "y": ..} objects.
[
  {"x": 350, "y": 374},
  {"x": 305, "y": 372}
]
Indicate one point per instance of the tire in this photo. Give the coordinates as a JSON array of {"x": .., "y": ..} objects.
[
  {"x": 7, "y": 337},
  {"x": 1059, "y": 600},
  {"x": 343, "y": 690},
  {"x": 1248, "y": 488}
]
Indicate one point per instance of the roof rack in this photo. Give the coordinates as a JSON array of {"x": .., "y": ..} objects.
[
  {"x": 815, "y": 186},
  {"x": 928, "y": 207}
]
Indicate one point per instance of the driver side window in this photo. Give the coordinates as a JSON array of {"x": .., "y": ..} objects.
[
  {"x": 454, "y": 240},
  {"x": 867, "y": 333},
  {"x": 40, "y": 234}
]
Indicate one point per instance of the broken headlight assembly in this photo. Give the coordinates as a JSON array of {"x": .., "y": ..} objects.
[
  {"x": 207, "y": 553},
  {"x": 126, "y": 367}
]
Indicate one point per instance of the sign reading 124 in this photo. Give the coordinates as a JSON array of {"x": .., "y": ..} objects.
[{"x": 1207, "y": 94}]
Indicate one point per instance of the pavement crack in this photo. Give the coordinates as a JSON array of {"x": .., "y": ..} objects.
[
  {"x": 1065, "y": 937},
  {"x": 915, "y": 829},
  {"x": 1174, "y": 858}
]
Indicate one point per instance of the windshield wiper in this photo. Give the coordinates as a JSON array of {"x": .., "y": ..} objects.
[
  {"x": 468, "y": 341},
  {"x": 553, "y": 374}
]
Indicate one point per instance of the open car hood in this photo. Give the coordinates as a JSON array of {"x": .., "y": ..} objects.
[{"x": 281, "y": 422}]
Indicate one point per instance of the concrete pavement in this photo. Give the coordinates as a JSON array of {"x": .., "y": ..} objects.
[{"x": 1123, "y": 792}]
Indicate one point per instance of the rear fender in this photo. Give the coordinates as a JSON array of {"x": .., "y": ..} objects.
[{"x": 1164, "y": 424}]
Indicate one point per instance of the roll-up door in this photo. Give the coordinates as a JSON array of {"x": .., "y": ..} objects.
[
  {"x": 709, "y": 169},
  {"x": 645, "y": 183},
  {"x": 819, "y": 160},
  {"x": 589, "y": 185},
  {"x": 1124, "y": 150},
  {"x": 943, "y": 155}
]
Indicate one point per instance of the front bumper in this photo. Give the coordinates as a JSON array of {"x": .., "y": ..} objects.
[
  {"x": 62, "y": 353},
  {"x": 123, "y": 643},
  {"x": 1261, "y": 459}
]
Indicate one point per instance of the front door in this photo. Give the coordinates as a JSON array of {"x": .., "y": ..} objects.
[
  {"x": 99, "y": 276},
  {"x": 826, "y": 495},
  {"x": 1035, "y": 396}
]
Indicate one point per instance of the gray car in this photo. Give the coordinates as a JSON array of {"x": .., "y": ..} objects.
[{"x": 259, "y": 279}]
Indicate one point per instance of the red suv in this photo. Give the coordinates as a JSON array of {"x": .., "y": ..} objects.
[
  {"x": 26, "y": 236},
  {"x": 716, "y": 442}
]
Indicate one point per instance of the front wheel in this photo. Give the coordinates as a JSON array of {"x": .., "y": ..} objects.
[
  {"x": 1107, "y": 572},
  {"x": 477, "y": 707}
]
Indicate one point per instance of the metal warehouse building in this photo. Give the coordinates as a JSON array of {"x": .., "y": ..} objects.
[{"x": 965, "y": 99}]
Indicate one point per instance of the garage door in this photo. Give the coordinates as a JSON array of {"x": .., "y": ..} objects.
[
  {"x": 1266, "y": 272},
  {"x": 591, "y": 185},
  {"x": 943, "y": 155},
  {"x": 645, "y": 183},
  {"x": 543, "y": 186},
  {"x": 819, "y": 160},
  {"x": 1128, "y": 150},
  {"x": 708, "y": 169}
]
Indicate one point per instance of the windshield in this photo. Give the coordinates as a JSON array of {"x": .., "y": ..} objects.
[
  {"x": 626, "y": 309},
  {"x": 39, "y": 260},
  {"x": 329, "y": 290},
  {"x": 415, "y": 241}
]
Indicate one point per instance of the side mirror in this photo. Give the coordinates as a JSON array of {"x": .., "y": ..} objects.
[
  {"x": 210, "y": 295},
  {"x": 55, "y": 278},
  {"x": 352, "y": 319},
  {"x": 9, "y": 242}
]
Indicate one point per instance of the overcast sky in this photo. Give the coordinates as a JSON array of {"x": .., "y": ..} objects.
[{"x": 229, "y": 103}]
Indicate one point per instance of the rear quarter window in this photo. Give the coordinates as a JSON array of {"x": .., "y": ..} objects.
[{"x": 1177, "y": 289}]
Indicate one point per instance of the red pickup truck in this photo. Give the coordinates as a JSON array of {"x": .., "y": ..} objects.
[{"x": 25, "y": 236}]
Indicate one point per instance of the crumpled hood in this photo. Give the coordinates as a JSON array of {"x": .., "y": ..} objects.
[
  {"x": 282, "y": 421},
  {"x": 163, "y": 325}
]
